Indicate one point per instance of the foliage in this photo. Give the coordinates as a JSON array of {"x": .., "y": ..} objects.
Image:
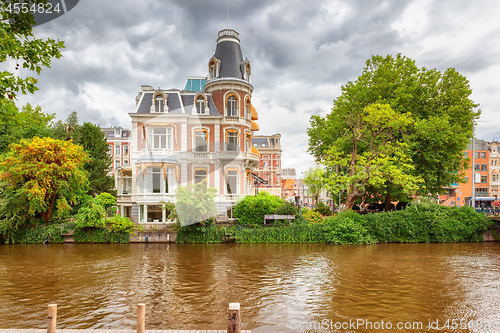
[
  {"x": 347, "y": 228},
  {"x": 195, "y": 203},
  {"x": 93, "y": 235},
  {"x": 287, "y": 208},
  {"x": 323, "y": 209},
  {"x": 91, "y": 215},
  {"x": 304, "y": 233},
  {"x": 312, "y": 217},
  {"x": 42, "y": 175},
  {"x": 34, "y": 234},
  {"x": 428, "y": 223},
  {"x": 251, "y": 209},
  {"x": 25, "y": 124},
  {"x": 118, "y": 224},
  {"x": 19, "y": 44},
  {"x": 314, "y": 179},
  {"x": 170, "y": 210},
  {"x": 107, "y": 200},
  {"x": 94, "y": 143},
  {"x": 68, "y": 129},
  {"x": 438, "y": 108},
  {"x": 208, "y": 234},
  {"x": 370, "y": 152}
]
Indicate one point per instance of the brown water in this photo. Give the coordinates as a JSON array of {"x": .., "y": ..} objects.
[{"x": 308, "y": 288}]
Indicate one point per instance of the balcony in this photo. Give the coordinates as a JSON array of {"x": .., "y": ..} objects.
[{"x": 157, "y": 151}]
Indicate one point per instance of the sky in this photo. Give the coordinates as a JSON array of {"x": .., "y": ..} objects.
[{"x": 301, "y": 53}]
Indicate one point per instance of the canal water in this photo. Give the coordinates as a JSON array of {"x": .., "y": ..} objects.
[{"x": 297, "y": 287}]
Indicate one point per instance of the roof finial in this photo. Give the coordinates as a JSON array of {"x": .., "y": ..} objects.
[{"x": 227, "y": 14}]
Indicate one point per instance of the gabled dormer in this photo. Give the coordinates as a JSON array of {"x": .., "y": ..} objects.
[
  {"x": 159, "y": 103},
  {"x": 213, "y": 67}
]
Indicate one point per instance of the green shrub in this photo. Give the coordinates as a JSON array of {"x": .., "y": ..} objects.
[
  {"x": 208, "y": 234},
  {"x": 323, "y": 209},
  {"x": 99, "y": 236},
  {"x": 287, "y": 208},
  {"x": 305, "y": 233},
  {"x": 428, "y": 222},
  {"x": 34, "y": 234},
  {"x": 251, "y": 209},
  {"x": 106, "y": 199},
  {"x": 313, "y": 217},
  {"x": 118, "y": 224},
  {"x": 91, "y": 215},
  {"x": 347, "y": 228}
]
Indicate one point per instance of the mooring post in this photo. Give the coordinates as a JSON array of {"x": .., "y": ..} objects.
[
  {"x": 234, "y": 325},
  {"x": 141, "y": 318},
  {"x": 51, "y": 318}
]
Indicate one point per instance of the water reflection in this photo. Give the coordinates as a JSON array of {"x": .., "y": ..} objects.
[{"x": 295, "y": 286}]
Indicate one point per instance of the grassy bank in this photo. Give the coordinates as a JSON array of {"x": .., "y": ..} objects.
[
  {"x": 422, "y": 223},
  {"x": 40, "y": 233}
]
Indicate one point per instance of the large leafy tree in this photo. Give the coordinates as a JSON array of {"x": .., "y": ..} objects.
[
  {"x": 25, "y": 124},
  {"x": 94, "y": 142},
  {"x": 441, "y": 113},
  {"x": 21, "y": 48},
  {"x": 42, "y": 175},
  {"x": 369, "y": 152}
]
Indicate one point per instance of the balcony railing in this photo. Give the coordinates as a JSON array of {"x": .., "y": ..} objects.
[{"x": 157, "y": 151}]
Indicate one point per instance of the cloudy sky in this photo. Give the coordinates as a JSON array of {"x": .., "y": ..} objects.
[{"x": 301, "y": 53}]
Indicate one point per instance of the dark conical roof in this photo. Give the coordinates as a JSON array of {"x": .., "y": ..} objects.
[{"x": 228, "y": 51}]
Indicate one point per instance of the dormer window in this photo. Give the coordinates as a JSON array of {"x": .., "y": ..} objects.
[
  {"x": 200, "y": 105},
  {"x": 159, "y": 103},
  {"x": 212, "y": 70},
  {"x": 232, "y": 106}
]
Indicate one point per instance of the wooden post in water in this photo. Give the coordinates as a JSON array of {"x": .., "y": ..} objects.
[
  {"x": 234, "y": 324},
  {"x": 51, "y": 318},
  {"x": 141, "y": 318}
]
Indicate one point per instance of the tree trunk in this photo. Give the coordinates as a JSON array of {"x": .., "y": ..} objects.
[
  {"x": 48, "y": 213},
  {"x": 351, "y": 197},
  {"x": 388, "y": 202}
]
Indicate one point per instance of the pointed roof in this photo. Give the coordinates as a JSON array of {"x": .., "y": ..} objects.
[{"x": 228, "y": 51}]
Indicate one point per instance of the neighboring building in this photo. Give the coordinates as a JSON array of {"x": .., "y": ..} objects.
[
  {"x": 288, "y": 173},
  {"x": 494, "y": 150},
  {"x": 181, "y": 137},
  {"x": 119, "y": 140},
  {"x": 461, "y": 194},
  {"x": 269, "y": 168}
]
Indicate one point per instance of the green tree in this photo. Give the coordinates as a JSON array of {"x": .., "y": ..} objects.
[
  {"x": 24, "y": 124},
  {"x": 67, "y": 130},
  {"x": 195, "y": 203},
  {"x": 370, "y": 152},
  {"x": 94, "y": 142},
  {"x": 19, "y": 44},
  {"x": 441, "y": 112},
  {"x": 43, "y": 175},
  {"x": 314, "y": 179}
]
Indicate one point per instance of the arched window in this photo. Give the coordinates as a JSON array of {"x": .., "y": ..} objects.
[
  {"x": 200, "y": 105},
  {"x": 232, "y": 106},
  {"x": 159, "y": 103},
  {"x": 247, "y": 109}
]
